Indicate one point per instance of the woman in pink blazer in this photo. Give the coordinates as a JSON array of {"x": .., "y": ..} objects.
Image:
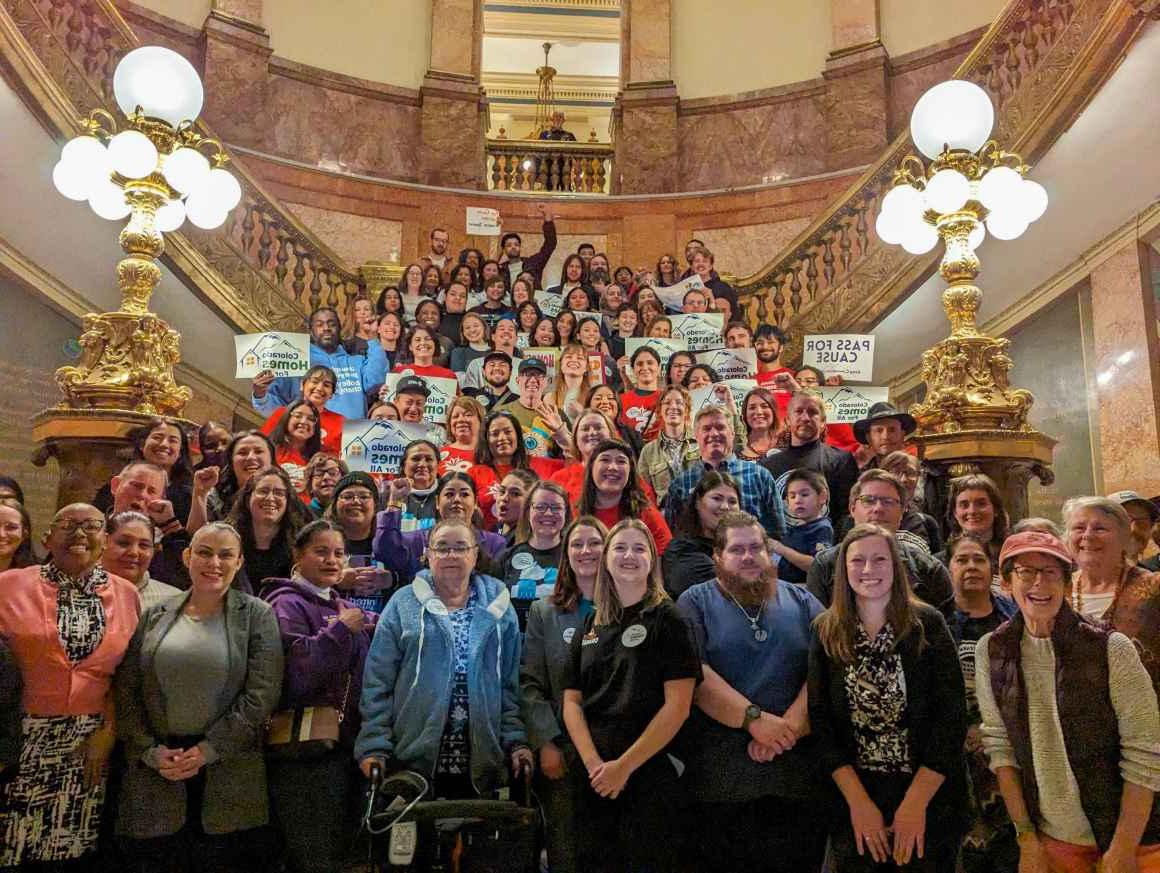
[{"x": 67, "y": 624}]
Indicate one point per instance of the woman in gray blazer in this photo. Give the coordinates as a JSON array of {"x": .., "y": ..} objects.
[
  {"x": 552, "y": 622},
  {"x": 201, "y": 676}
]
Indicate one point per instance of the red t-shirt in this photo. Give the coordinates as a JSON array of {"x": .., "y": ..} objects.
[
  {"x": 841, "y": 436},
  {"x": 430, "y": 371},
  {"x": 452, "y": 458},
  {"x": 331, "y": 423},
  {"x": 487, "y": 481},
  {"x": 652, "y": 518},
  {"x": 637, "y": 410},
  {"x": 294, "y": 463},
  {"x": 571, "y": 478}
]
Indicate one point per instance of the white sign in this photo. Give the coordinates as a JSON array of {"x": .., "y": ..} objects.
[
  {"x": 849, "y": 355},
  {"x": 846, "y": 404},
  {"x": 442, "y": 394},
  {"x": 663, "y": 346},
  {"x": 550, "y": 304},
  {"x": 377, "y": 445},
  {"x": 482, "y": 221},
  {"x": 284, "y": 354},
  {"x": 701, "y": 330},
  {"x": 720, "y": 392},
  {"x": 731, "y": 363},
  {"x": 673, "y": 296}
]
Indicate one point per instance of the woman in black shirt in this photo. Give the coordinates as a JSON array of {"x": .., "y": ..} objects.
[
  {"x": 629, "y": 690},
  {"x": 530, "y": 566},
  {"x": 267, "y": 514}
]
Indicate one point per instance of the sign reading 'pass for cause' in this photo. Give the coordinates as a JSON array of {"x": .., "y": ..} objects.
[
  {"x": 284, "y": 354},
  {"x": 849, "y": 355}
]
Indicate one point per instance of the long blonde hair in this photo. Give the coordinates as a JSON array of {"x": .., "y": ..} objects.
[
  {"x": 838, "y": 626},
  {"x": 609, "y": 609},
  {"x": 559, "y": 388}
]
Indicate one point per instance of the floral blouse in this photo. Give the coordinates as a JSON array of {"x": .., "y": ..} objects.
[
  {"x": 876, "y": 689},
  {"x": 455, "y": 748}
]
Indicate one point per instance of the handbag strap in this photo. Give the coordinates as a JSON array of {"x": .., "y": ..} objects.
[{"x": 345, "y": 697}]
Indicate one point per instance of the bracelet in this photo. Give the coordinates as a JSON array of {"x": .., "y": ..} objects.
[{"x": 394, "y": 505}]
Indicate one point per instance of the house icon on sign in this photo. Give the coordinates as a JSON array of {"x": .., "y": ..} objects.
[{"x": 264, "y": 345}]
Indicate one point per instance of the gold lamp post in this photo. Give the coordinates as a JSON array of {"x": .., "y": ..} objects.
[
  {"x": 972, "y": 419},
  {"x": 156, "y": 171}
]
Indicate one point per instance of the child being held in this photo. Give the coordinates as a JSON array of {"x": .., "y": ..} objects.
[{"x": 806, "y": 503}]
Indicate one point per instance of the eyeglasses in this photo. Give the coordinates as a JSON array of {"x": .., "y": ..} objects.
[
  {"x": 1027, "y": 575},
  {"x": 872, "y": 500},
  {"x": 328, "y": 474},
  {"x": 547, "y": 509},
  {"x": 89, "y": 525},
  {"x": 450, "y": 551},
  {"x": 263, "y": 493},
  {"x": 355, "y": 496}
]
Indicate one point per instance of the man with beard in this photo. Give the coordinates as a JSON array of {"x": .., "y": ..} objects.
[
  {"x": 439, "y": 240},
  {"x": 805, "y": 419},
  {"x": 713, "y": 430},
  {"x": 497, "y": 377},
  {"x": 769, "y": 342},
  {"x": 357, "y": 373},
  {"x": 140, "y": 487},
  {"x": 748, "y": 768},
  {"x": 878, "y": 498},
  {"x": 534, "y": 264}
]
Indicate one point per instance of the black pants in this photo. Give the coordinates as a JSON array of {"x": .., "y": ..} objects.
[
  {"x": 191, "y": 849},
  {"x": 639, "y": 831},
  {"x": 770, "y": 834},
  {"x": 312, "y": 804},
  {"x": 941, "y": 841},
  {"x": 559, "y": 799}
]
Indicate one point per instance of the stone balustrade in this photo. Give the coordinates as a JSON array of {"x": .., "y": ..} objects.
[{"x": 549, "y": 166}]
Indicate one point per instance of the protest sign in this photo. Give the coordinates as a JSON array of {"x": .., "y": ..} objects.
[
  {"x": 849, "y": 355},
  {"x": 673, "y": 296},
  {"x": 377, "y": 445},
  {"x": 482, "y": 221},
  {"x": 846, "y": 404},
  {"x": 719, "y": 392},
  {"x": 731, "y": 363},
  {"x": 701, "y": 330},
  {"x": 662, "y": 345},
  {"x": 442, "y": 393},
  {"x": 284, "y": 354},
  {"x": 550, "y": 304}
]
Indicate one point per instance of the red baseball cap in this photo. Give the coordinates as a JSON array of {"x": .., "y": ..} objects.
[{"x": 1035, "y": 541}]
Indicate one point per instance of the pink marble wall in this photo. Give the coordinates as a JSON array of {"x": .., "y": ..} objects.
[
  {"x": 647, "y": 148},
  {"x": 1127, "y": 371},
  {"x": 743, "y": 250},
  {"x": 724, "y": 145},
  {"x": 913, "y": 73},
  {"x": 354, "y": 238}
]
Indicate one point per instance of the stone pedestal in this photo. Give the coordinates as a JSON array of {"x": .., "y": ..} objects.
[
  {"x": 647, "y": 157},
  {"x": 452, "y": 131},
  {"x": 855, "y": 105},
  {"x": 237, "y": 56}
]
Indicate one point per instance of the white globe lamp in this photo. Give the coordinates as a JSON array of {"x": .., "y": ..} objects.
[
  {"x": 186, "y": 170},
  {"x": 947, "y": 191},
  {"x": 73, "y": 180},
  {"x": 170, "y": 216},
  {"x": 132, "y": 154},
  {"x": 224, "y": 188},
  {"x": 161, "y": 83},
  {"x": 108, "y": 201},
  {"x": 203, "y": 211},
  {"x": 955, "y": 114}
]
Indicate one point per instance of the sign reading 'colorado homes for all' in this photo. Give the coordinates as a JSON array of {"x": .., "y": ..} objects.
[
  {"x": 730, "y": 363},
  {"x": 439, "y": 400},
  {"x": 283, "y": 354},
  {"x": 846, "y": 404},
  {"x": 377, "y": 445},
  {"x": 701, "y": 330}
]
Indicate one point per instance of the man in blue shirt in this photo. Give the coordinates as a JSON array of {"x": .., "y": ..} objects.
[
  {"x": 759, "y": 802},
  {"x": 713, "y": 429},
  {"x": 357, "y": 373}
]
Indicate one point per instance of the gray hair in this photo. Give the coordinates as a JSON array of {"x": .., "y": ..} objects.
[
  {"x": 1043, "y": 525},
  {"x": 1106, "y": 505}
]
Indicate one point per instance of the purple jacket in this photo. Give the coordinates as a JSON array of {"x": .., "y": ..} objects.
[
  {"x": 321, "y": 652},
  {"x": 403, "y": 552}
]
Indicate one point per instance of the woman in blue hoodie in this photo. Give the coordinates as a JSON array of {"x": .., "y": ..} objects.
[
  {"x": 325, "y": 641},
  {"x": 441, "y": 689}
]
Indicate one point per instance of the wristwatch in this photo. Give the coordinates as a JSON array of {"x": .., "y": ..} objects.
[{"x": 752, "y": 714}]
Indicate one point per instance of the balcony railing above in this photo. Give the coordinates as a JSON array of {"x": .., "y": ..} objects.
[{"x": 549, "y": 166}]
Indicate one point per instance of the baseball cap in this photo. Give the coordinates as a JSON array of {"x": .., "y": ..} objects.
[
  {"x": 529, "y": 365},
  {"x": 412, "y": 384},
  {"x": 497, "y": 355},
  {"x": 1125, "y": 497},
  {"x": 1034, "y": 541}
]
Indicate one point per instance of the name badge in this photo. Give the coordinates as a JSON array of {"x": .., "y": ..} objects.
[
  {"x": 569, "y": 634},
  {"x": 633, "y": 636}
]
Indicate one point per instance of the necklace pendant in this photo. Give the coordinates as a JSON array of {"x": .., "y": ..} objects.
[{"x": 761, "y": 634}]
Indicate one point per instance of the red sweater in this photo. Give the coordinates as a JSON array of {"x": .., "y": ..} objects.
[
  {"x": 652, "y": 518},
  {"x": 331, "y": 428}
]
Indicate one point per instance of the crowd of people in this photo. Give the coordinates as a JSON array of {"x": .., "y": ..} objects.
[{"x": 715, "y": 638}]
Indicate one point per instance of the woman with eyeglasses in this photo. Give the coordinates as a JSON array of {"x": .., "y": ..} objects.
[
  {"x": 446, "y": 652},
  {"x": 530, "y": 566},
  {"x": 67, "y": 624},
  {"x": 202, "y": 675},
  {"x": 905, "y": 466},
  {"x": 455, "y": 498},
  {"x": 552, "y": 623},
  {"x": 354, "y": 509},
  {"x": 322, "y": 474},
  {"x": 267, "y": 517},
  {"x": 628, "y": 690},
  {"x": 214, "y": 490}
]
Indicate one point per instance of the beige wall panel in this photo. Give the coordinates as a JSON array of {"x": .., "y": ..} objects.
[{"x": 913, "y": 24}]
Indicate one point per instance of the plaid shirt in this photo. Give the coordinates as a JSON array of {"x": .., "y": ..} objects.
[{"x": 758, "y": 492}]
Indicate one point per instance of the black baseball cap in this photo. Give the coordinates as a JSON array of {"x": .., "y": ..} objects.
[
  {"x": 411, "y": 384},
  {"x": 528, "y": 365},
  {"x": 497, "y": 355}
]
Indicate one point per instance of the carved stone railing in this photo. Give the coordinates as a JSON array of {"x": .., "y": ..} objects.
[
  {"x": 1040, "y": 62},
  {"x": 549, "y": 166},
  {"x": 261, "y": 269}
]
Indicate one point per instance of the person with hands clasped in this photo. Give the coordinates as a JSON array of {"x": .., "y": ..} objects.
[
  {"x": 202, "y": 674},
  {"x": 887, "y": 708},
  {"x": 628, "y": 690},
  {"x": 446, "y": 653}
]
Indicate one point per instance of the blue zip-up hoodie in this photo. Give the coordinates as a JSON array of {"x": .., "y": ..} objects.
[
  {"x": 409, "y": 672},
  {"x": 357, "y": 374}
]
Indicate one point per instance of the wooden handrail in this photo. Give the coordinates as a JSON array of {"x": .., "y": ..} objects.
[
  {"x": 1040, "y": 62},
  {"x": 262, "y": 269}
]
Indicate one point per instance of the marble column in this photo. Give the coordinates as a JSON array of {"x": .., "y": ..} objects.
[
  {"x": 646, "y": 160},
  {"x": 857, "y": 86},
  {"x": 453, "y": 114},
  {"x": 1127, "y": 370},
  {"x": 237, "y": 55}
]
